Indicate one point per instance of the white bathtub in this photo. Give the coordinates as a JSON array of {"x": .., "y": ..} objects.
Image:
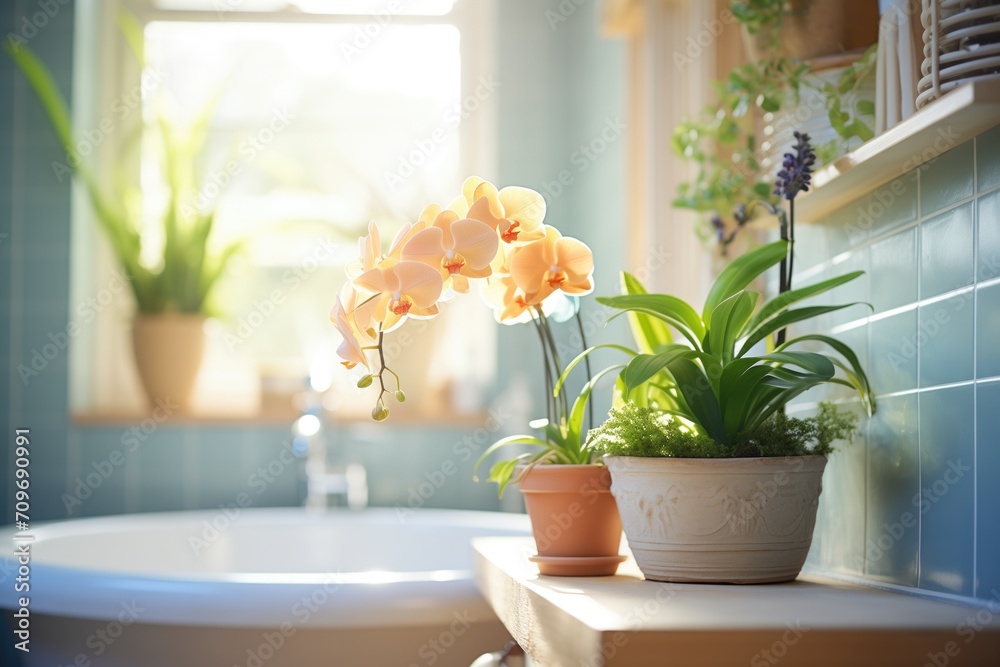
[{"x": 267, "y": 587}]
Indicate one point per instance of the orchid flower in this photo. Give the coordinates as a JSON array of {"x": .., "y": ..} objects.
[
  {"x": 354, "y": 325},
  {"x": 459, "y": 248},
  {"x": 553, "y": 263},
  {"x": 515, "y": 212},
  {"x": 401, "y": 289}
]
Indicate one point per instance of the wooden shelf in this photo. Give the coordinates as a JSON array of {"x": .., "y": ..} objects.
[
  {"x": 812, "y": 622},
  {"x": 956, "y": 117}
]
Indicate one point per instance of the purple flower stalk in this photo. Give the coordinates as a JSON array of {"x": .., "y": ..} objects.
[{"x": 796, "y": 173}]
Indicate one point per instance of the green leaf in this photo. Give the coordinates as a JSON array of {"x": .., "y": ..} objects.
[
  {"x": 675, "y": 312},
  {"x": 575, "y": 435},
  {"x": 810, "y": 361},
  {"x": 741, "y": 272},
  {"x": 781, "y": 302},
  {"x": 697, "y": 391},
  {"x": 650, "y": 333},
  {"x": 727, "y": 323},
  {"x": 644, "y": 366},
  {"x": 787, "y": 318},
  {"x": 583, "y": 355},
  {"x": 856, "y": 372}
]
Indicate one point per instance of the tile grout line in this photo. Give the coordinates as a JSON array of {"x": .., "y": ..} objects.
[
  {"x": 919, "y": 244},
  {"x": 975, "y": 368}
]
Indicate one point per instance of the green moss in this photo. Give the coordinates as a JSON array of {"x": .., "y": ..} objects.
[{"x": 631, "y": 430}]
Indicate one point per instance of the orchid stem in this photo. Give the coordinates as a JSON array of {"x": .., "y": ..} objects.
[
  {"x": 586, "y": 362},
  {"x": 549, "y": 399}
]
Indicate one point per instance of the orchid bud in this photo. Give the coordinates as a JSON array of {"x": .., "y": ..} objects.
[
  {"x": 400, "y": 396},
  {"x": 365, "y": 381}
]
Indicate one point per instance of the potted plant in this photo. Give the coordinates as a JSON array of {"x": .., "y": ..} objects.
[
  {"x": 714, "y": 482},
  {"x": 528, "y": 273},
  {"x": 736, "y": 142},
  {"x": 171, "y": 295}
]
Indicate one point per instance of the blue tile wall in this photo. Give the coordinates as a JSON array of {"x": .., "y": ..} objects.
[{"x": 931, "y": 243}]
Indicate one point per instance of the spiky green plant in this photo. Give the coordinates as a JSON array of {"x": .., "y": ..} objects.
[
  {"x": 183, "y": 279},
  {"x": 715, "y": 381}
]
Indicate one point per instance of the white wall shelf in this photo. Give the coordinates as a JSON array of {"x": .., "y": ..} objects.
[{"x": 955, "y": 118}]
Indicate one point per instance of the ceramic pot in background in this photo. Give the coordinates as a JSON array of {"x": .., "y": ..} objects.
[
  {"x": 168, "y": 351},
  {"x": 737, "y": 521},
  {"x": 574, "y": 519}
]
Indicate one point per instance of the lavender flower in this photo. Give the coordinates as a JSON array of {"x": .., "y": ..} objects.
[
  {"x": 719, "y": 227},
  {"x": 796, "y": 173}
]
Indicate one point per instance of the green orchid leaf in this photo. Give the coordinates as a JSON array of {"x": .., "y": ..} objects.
[{"x": 741, "y": 272}]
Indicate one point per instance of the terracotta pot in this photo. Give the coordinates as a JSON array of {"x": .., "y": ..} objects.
[
  {"x": 574, "y": 519},
  {"x": 817, "y": 28},
  {"x": 738, "y": 521},
  {"x": 168, "y": 350}
]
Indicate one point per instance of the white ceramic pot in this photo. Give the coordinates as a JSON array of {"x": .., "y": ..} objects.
[{"x": 740, "y": 521}]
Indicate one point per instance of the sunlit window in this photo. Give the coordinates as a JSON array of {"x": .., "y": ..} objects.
[{"x": 311, "y": 130}]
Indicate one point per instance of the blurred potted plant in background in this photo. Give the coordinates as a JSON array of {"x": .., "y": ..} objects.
[
  {"x": 528, "y": 273},
  {"x": 714, "y": 482},
  {"x": 172, "y": 295},
  {"x": 798, "y": 76}
]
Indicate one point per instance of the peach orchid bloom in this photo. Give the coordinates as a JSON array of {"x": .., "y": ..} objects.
[
  {"x": 353, "y": 323},
  {"x": 515, "y": 212},
  {"x": 459, "y": 248},
  {"x": 508, "y": 301},
  {"x": 402, "y": 289},
  {"x": 553, "y": 263}
]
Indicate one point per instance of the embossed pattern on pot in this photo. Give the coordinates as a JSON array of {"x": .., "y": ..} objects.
[{"x": 718, "y": 520}]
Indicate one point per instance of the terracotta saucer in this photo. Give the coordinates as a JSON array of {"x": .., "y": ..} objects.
[{"x": 577, "y": 566}]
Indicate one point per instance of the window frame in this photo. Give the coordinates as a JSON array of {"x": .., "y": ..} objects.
[{"x": 103, "y": 383}]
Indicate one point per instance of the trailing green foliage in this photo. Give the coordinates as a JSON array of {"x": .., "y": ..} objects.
[
  {"x": 719, "y": 384},
  {"x": 722, "y": 140},
  {"x": 187, "y": 272},
  {"x": 633, "y": 430}
]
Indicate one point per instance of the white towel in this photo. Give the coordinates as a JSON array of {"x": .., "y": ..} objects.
[{"x": 897, "y": 69}]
